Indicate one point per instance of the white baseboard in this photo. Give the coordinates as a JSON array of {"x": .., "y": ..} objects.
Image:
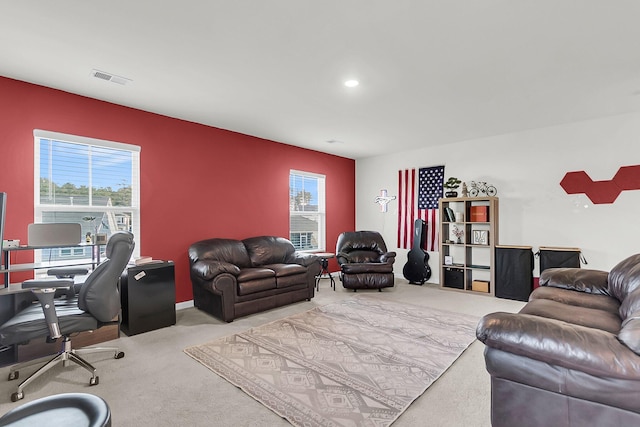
[{"x": 184, "y": 304}]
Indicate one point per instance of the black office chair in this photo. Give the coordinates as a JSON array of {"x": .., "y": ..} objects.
[
  {"x": 97, "y": 304},
  {"x": 60, "y": 410}
]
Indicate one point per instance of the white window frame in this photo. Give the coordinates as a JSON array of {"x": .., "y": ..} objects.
[
  {"x": 322, "y": 208},
  {"x": 39, "y": 208}
]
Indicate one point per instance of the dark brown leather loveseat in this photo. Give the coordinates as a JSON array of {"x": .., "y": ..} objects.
[
  {"x": 570, "y": 357},
  {"x": 234, "y": 278}
]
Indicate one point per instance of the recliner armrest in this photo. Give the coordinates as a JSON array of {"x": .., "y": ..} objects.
[
  {"x": 576, "y": 279},
  {"x": 576, "y": 347},
  {"x": 342, "y": 258},
  {"x": 389, "y": 257}
]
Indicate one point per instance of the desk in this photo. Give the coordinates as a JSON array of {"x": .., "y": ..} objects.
[
  {"x": 72, "y": 260},
  {"x": 324, "y": 270},
  {"x": 14, "y": 298}
]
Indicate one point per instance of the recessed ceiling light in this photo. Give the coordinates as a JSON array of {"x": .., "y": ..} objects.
[
  {"x": 334, "y": 141},
  {"x": 351, "y": 83}
]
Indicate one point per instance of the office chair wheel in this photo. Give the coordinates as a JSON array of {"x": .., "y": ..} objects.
[
  {"x": 94, "y": 380},
  {"x": 13, "y": 375},
  {"x": 119, "y": 355},
  {"x": 17, "y": 396}
]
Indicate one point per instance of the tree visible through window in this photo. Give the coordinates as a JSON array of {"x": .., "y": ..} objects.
[
  {"x": 307, "y": 210},
  {"x": 91, "y": 182}
]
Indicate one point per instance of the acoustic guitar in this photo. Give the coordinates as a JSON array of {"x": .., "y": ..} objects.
[{"x": 417, "y": 270}]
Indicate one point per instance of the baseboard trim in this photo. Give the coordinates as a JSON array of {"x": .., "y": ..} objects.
[{"x": 184, "y": 304}]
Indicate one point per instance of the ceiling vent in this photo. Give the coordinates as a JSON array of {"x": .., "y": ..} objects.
[{"x": 110, "y": 77}]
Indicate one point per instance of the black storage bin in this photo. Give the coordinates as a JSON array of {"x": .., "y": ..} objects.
[
  {"x": 454, "y": 277},
  {"x": 557, "y": 257},
  {"x": 514, "y": 272}
]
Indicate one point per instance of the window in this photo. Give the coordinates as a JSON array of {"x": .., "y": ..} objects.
[
  {"x": 307, "y": 210},
  {"x": 88, "y": 181}
]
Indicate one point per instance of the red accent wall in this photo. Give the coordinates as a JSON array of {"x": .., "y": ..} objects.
[{"x": 197, "y": 181}]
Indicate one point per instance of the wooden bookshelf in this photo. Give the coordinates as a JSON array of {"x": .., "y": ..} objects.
[{"x": 468, "y": 264}]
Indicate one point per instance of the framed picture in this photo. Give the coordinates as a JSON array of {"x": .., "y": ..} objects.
[
  {"x": 448, "y": 260},
  {"x": 480, "y": 237}
]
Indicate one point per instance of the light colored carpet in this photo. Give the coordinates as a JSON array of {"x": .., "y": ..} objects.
[
  {"x": 158, "y": 385},
  {"x": 358, "y": 362}
]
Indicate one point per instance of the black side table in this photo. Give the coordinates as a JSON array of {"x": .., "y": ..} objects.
[
  {"x": 148, "y": 296},
  {"x": 324, "y": 270}
]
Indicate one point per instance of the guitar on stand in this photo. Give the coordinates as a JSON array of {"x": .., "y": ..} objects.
[{"x": 417, "y": 270}]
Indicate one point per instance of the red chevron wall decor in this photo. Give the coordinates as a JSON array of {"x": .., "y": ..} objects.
[{"x": 601, "y": 192}]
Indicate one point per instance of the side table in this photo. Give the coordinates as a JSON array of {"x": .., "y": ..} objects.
[{"x": 324, "y": 270}]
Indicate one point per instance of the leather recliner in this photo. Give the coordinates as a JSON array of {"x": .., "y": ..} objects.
[
  {"x": 364, "y": 261},
  {"x": 571, "y": 356}
]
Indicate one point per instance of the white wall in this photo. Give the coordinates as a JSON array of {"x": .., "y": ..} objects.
[{"x": 527, "y": 167}]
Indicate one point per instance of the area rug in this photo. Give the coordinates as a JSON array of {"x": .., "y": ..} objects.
[{"x": 359, "y": 362}]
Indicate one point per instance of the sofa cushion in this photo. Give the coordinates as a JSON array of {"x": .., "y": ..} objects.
[
  {"x": 253, "y": 286},
  {"x": 589, "y": 317},
  {"x": 580, "y": 299},
  {"x": 266, "y": 250},
  {"x": 291, "y": 280},
  {"x": 289, "y": 274},
  {"x": 248, "y": 274},
  {"x": 624, "y": 278},
  {"x": 228, "y": 250},
  {"x": 252, "y": 280},
  {"x": 578, "y": 279},
  {"x": 282, "y": 270}
]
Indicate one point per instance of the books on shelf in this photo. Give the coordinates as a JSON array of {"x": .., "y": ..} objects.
[
  {"x": 479, "y": 213},
  {"x": 449, "y": 214}
]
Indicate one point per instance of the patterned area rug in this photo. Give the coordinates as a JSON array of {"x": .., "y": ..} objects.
[{"x": 360, "y": 362}]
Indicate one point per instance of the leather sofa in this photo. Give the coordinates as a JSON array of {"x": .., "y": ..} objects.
[
  {"x": 234, "y": 278},
  {"x": 571, "y": 356},
  {"x": 364, "y": 261}
]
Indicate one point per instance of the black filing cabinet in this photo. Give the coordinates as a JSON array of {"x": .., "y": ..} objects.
[{"x": 148, "y": 294}]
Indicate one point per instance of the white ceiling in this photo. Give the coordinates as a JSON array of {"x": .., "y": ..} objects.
[{"x": 431, "y": 72}]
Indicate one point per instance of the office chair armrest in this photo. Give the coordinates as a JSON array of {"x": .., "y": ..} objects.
[
  {"x": 67, "y": 272},
  {"x": 45, "y": 290},
  {"x": 35, "y": 284}
]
